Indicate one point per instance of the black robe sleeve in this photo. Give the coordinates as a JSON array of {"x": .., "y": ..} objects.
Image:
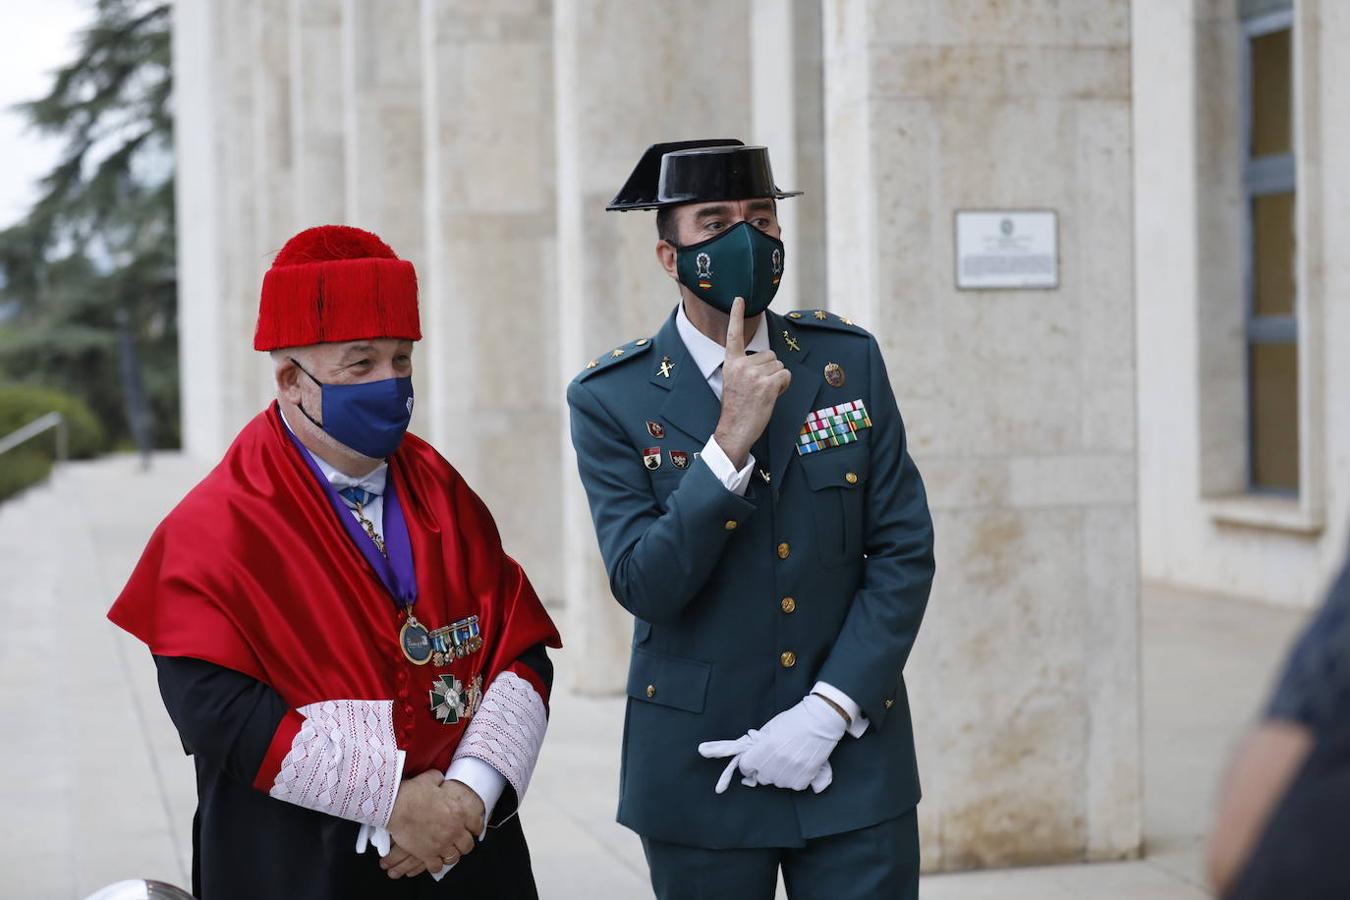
[{"x": 223, "y": 717}]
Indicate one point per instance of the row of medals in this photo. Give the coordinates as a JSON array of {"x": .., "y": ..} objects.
[
  {"x": 441, "y": 646},
  {"x": 452, "y": 701}
]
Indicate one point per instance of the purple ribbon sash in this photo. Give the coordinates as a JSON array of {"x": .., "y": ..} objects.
[{"x": 395, "y": 571}]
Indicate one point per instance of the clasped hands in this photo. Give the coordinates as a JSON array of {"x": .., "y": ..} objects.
[
  {"x": 434, "y": 824},
  {"x": 792, "y": 750}
]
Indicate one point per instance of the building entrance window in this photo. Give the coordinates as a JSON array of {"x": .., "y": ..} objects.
[{"x": 1271, "y": 290}]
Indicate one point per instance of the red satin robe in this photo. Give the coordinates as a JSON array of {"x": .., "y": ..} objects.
[{"x": 254, "y": 572}]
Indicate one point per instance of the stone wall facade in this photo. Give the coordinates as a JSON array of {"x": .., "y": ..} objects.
[
  {"x": 1202, "y": 528},
  {"x": 1020, "y": 404}
]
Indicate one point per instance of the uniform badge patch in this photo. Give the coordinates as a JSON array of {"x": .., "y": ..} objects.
[
  {"x": 651, "y": 458},
  {"x": 833, "y": 426},
  {"x": 834, "y": 375},
  {"x": 679, "y": 459},
  {"x": 656, "y": 429}
]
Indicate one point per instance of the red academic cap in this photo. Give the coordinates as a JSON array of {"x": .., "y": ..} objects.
[{"x": 336, "y": 283}]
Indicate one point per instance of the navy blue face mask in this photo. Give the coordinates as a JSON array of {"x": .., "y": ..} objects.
[{"x": 370, "y": 418}]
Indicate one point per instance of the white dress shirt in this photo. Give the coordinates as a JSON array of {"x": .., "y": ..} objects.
[{"x": 709, "y": 356}]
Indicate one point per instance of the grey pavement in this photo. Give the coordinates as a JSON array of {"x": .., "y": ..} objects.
[{"x": 95, "y": 788}]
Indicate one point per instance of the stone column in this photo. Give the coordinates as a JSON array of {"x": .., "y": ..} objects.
[
  {"x": 489, "y": 294},
  {"x": 1019, "y": 404},
  {"x": 290, "y": 114},
  {"x": 685, "y": 73},
  {"x": 198, "y": 196},
  {"x": 234, "y": 170},
  {"x": 318, "y": 111},
  {"x": 382, "y": 146},
  {"x": 788, "y": 118}
]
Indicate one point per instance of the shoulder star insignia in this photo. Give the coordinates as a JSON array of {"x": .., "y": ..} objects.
[
  {"x": 846, "y": 320},
  {"x": 822, "y": 315},
  {"x": 618, "y": 351},
  {"x": 791, "y": 342},
  {"x": 592, "y": 364}
]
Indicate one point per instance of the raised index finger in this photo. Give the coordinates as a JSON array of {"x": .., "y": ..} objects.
[{"x": 736, "y": 329}]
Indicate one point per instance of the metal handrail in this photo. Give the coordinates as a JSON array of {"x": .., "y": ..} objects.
[{"x": 36, "y": 427}]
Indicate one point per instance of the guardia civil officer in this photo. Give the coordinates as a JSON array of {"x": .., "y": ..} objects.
[{"x": 760, "y": 516}]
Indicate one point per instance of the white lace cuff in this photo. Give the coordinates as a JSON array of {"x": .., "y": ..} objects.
[
  {"x": 508, "y": 730},
  {"x": 344, "y": 761}
]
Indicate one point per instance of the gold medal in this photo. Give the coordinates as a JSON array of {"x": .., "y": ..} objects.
[{"x": 415, "y": 641}]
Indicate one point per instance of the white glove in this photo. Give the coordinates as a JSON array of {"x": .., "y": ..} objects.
[
  {"x": 723, "y": 749},
  {"x": 791, "y": 751}
]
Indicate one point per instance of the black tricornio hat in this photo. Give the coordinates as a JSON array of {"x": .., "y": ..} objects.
[{"x": 696, "y": 172}]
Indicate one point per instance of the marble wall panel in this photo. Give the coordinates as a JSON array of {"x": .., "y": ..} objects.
[
  {"x": 1019, "y": 404},
  {"x": 490, "y": 290}
]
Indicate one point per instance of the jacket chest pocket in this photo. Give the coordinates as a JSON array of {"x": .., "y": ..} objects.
[{"x": 838, "y": 480}]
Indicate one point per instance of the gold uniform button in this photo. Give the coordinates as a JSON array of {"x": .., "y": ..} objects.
[
  {"x": 789, "y": 605},
  {"x": 851, "y": 477},
  {"x": 889, "y": 703},
  {"x": 731, "y": 525},
  {"x": 651, "y": 691},
  {"x": 784, "y": 551},
  {"x": 788, "y": 659}
]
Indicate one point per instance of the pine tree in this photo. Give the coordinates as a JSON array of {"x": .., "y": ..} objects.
[{"x": 97, "y": 247}]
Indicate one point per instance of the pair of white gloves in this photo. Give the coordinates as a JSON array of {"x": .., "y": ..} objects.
[{"x": 791, "y": 751}]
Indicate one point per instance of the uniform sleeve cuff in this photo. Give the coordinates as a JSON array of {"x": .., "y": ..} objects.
[
  {"x": 725, "y": 470},
  {"x": 857, "y": 722},
  {"x": 480, "y": 778}
]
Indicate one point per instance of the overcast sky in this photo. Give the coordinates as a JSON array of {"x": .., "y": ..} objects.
[{"x": 36, "y": 37}]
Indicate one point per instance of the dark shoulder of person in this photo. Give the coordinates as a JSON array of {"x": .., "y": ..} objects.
[{"x": 1314, "y": 687}]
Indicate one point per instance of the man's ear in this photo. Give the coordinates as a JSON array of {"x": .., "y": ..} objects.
[
  {"x": 666, "y": 255},
  {"x": 287, "y": 375}
]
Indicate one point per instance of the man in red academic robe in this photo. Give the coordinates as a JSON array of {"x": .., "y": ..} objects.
[{"x": 344, "y": 647}]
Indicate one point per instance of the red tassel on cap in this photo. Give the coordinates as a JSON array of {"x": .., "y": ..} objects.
[{"x": 336, "y": 283}]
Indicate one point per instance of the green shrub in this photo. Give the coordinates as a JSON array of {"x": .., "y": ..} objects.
[
  {"x": 21, "y": 404},
  {"x": 22, "y": 468}
]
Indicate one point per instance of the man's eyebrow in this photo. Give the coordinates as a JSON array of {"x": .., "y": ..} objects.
[
  {"x": 759, "y": 205},
  {"x": 358, "y": 349},
  {"x": 711, "y": 211}
]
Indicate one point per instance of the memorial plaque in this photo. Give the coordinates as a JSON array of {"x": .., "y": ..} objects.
[{"x": 1007, "y": 249}]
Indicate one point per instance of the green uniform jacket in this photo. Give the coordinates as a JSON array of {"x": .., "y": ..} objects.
[{"x": 821, "y": 571}]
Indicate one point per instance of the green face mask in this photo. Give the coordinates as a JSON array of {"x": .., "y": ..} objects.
[{"x": 740, "y": 262}]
